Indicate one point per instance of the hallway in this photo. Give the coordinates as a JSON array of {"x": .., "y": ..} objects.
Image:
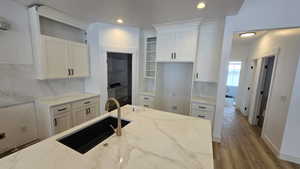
[{"x": 242, "y": 147}]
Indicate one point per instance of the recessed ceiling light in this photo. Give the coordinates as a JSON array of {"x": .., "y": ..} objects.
[
  {"x": 120, "y": 21},
  {"x": 201, "y": 5},
  {"x": 247, "y": 34}
]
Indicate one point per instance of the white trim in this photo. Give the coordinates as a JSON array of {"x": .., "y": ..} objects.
[
  {"x": 286, "y": 157},
  {"x": 270, "y": 145},
  {"x": 135, "y": 72}
]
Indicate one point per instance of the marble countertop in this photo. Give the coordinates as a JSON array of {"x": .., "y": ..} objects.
[
  {"x": 58, "y": 100},
  {"x": 154, "y": 139},
  {"x": 205, "y": 100}
]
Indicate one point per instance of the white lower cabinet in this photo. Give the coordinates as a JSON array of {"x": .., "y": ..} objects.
[
  {"x": 17, "y": 126},
  {"x": 147, "y": 101},
  {"x": 201, "y": 110},
  {"x": 55, "y": 119}
]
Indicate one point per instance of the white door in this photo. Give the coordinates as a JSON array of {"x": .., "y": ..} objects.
[
  {"x": 56, "y": 57},
  {"x": 78, "y": 59},
  {"x": 186, "y": 46},
  {"x": 165, "y": 46},
  {"x": 62, "y": 123}
]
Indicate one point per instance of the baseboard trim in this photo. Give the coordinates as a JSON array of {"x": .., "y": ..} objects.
[
  {"x": 289, "y": 158},
  {"x": 271, "y": 146}
]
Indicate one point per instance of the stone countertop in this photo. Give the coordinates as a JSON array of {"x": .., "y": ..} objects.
[
  {"x": 58, "y": 100},
  {"x": 205, "y": 100},
  {"x": 154, "y": 139}
]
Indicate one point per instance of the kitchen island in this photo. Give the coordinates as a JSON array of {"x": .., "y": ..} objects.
[{"x": 153, "y": 139}]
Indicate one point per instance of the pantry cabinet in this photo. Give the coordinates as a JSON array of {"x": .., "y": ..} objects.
[
  {"x": 177, "y": 44},
  {"x": 209, "y": 51}
]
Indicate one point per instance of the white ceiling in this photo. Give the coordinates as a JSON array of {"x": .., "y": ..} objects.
[{"x": 141, "y": 12}]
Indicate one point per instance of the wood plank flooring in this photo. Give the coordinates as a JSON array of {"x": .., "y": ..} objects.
[{"x": 242, "y": 147}]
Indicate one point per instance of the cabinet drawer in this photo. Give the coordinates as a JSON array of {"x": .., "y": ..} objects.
[
  {"x": 61, "y": 109},
  {"x": 201, "y": 114},
  {"x": 205, "y": 107},
  {"x": 147, "y": 98},
  {"x": 83, "y": 103}
]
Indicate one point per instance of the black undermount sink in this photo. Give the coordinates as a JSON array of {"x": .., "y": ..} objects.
[{"x": 85, "y": 139}]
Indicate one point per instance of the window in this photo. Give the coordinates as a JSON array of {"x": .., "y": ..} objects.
[{"x": 234, "y": 73}]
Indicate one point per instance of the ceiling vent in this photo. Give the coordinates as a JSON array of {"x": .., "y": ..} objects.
[{"x": 4, "y": 26}]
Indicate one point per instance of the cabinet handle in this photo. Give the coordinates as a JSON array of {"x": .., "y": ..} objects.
[
  {"x": 72, "y": 71},
  {"x": 174, "y": 55},
  {"x": 171, "y": 55},
  {"x": 202, "y": 107},
  {"x": 88, "y": 102},
  {"x": 69, "y": 72},
  {"x": 2, "y": 136},
  {"x": 88, "y": 111},
  {"x": 201, "y": 116},
  {"x": 55, "y": 122},
  {"x": 146, "y": 106},
  {"x": 146, "y": 98},
  {"x": 62, "y": 109},
  {"x": 197, "y": 75}
]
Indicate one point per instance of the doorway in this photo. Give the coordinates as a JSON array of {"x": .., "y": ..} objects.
[
  {"x": 233, "y": 80},
  {"x": 264, "y": 86},
  {"x": 119, "y": 81}
]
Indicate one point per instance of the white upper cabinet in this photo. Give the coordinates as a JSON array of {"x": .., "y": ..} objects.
[
  {"x": 186, "y": 45},
  {"x": 63, "y": 59},
  {"x": 209, "y": 51},
  {"x": 59, "y": 45},
  {"x": 56, "y": 57},
  {"x": 165, "y": 46},
  {"x": 78, "y": 59},
  {"x": 177, "y": 43}
]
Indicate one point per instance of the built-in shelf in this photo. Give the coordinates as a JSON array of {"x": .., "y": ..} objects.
[{"x": 150, "y": 55}]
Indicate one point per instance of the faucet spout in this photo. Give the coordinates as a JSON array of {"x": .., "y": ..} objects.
[{"x": 115, "y": 101}]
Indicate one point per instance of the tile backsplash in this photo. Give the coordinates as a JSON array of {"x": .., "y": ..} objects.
[
  {"x": 18, "y": 84},
  {"x": 205, "y": 89}
]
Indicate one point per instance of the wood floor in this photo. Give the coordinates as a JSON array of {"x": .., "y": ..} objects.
[{"x": 242, "y": 148}]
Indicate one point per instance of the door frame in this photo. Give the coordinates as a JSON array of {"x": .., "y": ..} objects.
[
  {"x": 135, "y": 72},
  {"x": 252, "y": 119}
]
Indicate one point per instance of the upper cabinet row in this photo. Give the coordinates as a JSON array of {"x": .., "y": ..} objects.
[
  {"x": 177, "y": 44},
  {"x": 198, "y": 43},
  {"x": 59, "y": 45}
]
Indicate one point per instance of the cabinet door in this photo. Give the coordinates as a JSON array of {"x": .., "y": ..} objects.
[
  {"x": 62, "y": 123},
  {"x": 186, "y": 45},
  {"x": 56, "y": 57},
  {"x": 17, "y": 126},
  {"x": 208, "y": 58},
  {"x": 90, "y": 112},
  {"x": 78, "y": 59},
  {"x": 165, "y": 46},
  {"x": 78, "y": 116}
]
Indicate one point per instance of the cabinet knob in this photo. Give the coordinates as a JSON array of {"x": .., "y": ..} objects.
[
  {"x": 55, "y": 122},
  {"x": 2, "y": 136}
]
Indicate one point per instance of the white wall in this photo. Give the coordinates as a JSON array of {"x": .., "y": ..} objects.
[
  {"x": 116, "y": 38},
  {"x": 254, "y": 15},
  {"x": 17, "y": 72},
  {"x": 290, "y": 149}
]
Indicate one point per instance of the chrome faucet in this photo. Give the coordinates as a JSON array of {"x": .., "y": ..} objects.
[{"x": 111, "y": 99}]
